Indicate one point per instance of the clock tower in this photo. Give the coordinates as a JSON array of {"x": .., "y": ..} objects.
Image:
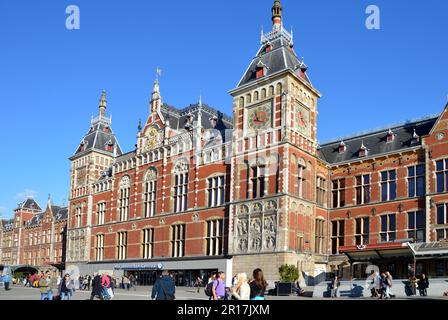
[{"x": 275, "y": 164}]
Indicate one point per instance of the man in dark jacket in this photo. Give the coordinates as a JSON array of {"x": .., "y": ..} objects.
[
  {"x": 96, "y": 287},
  {"x": 164, "y": 288}
]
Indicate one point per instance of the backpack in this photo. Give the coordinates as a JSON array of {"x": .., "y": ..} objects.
[{"x": 208, "y": 289}]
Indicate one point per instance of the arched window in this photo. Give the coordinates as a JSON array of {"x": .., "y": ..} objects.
[
  {"x": 279, "y": 88},
  {"x": 256, "y": 96},
  {"x": 181, "y": 186},
  {"x": 242, "y": 102},
  {"x": 271, "y": 91},
  {"x": 263, "y": 93},
  {"x": 258, "y": 176},
  {"x": 123, "y": 198},
  {"x": 150, "y": 189},
  {"x": 248, "y": 98}
]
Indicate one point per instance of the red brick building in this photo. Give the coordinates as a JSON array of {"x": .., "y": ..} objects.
[
  {"x": 34, "y": 239},
  {"x": 203, "y": 191}
]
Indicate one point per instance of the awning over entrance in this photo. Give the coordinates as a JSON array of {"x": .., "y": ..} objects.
[
  {"x": 377, "y": 251},
  {"x": 434, "y": 250}
]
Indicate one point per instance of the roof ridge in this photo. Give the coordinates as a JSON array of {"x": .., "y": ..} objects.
[{"x": 378, "y": 130}]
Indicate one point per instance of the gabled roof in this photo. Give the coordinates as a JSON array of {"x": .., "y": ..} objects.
[
  {"x": 178, "y": 117},
  {"x": 281, "y": 57},
  {"x": 29, "y": 204},
  {"x": 98, "y": 138},
  {"x": 376, "y": 142}
]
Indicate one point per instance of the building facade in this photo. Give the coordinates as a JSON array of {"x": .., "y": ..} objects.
[
  {"x": 203, "y": 191},
  {"x": 34, "y": 239}
]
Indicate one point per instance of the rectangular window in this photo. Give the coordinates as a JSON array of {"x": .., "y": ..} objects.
[
  {"x": 178, "y": 241},
  {"x": 388, "y": 228},
  {"x": 442, "y": 213},
  {"x": 319, "y": 240},
  {"x": 301, "y": 182},
  {"x": 258, "y": 182},
  {"x": 181, "y": 192},
  {"x": 123, "y": 203},
  {"x": 339, "y": 193},
  {"x": 442, "y": 175},
  {"x": 99, "y": 247},
  {"x": 148, "y": 243},
  {"x": 321, "y": 191},
  {"x": 150, "y": 198},
  {"x": 215, "y": 237},
  {"x": 216, "y": 192},
  {"x": 337, "y": 235},
  {"x": 78, "y": 216},
  {"x": 101, "y": 213},
  {"x": 362, "y": 231},
  {"x": 363, "y": 189},
  {"x": 442, "y": 234},
  {"x": 416, "y": 181},
  {"x": 122, "y": 245},
  {"x": 416, "y": 226},
  {"x": 388, "y": 185}
]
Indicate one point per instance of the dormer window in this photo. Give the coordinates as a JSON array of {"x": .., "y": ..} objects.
[
  {"x": 363, "y": 151},
  {"x": 83, "y": 145},
  {"x": 268, "y": 48},
  {"x": 109, "y": 146},
  {"x": 213, "y": 121},
  {"x": 342, "y": 147},
  {"x": 415, "y": 139},
  {"x": 390, "y": 136},
  {"x": 261, "y": 69}
]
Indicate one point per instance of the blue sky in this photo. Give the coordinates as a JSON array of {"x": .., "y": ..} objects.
[{"x": 51, "y": 78}]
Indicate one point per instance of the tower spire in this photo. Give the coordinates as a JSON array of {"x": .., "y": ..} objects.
[
  {"x": 156, "y": 98},
  {"x": 103, "y": 104},
  {"x": 277, "y": 13}
]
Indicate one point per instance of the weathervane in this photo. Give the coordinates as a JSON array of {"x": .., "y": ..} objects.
[{"x": 158, "y": 73}]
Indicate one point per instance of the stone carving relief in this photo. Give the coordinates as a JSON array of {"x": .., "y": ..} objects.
[
  {"x": 270, "y": 231},
  {"x": 242, "y": 232},
  {"x": 255, "y": 234},
  {"x": 257, "y": 207}
]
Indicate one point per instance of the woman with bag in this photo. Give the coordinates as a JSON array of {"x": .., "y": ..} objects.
[
  {"x": 423, "y": 285},
  {"x": 241, "y": 290}
]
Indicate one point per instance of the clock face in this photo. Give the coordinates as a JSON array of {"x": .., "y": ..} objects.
[
  {"x": 303, "y": 120},
  {"x": 153, "y": 138},
  {"x": 260, "y": 117}
]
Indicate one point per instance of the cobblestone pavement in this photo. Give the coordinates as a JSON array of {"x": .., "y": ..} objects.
[{"x": 143, "y": 293}]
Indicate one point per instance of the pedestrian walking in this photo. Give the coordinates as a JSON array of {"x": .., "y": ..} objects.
[
  {"x": 43, "y": 287},
  {"x": 96, "y": 287},
  {"x": 164, "y": 288},
  {"x": 6, "y": 281},
  {"x": 258, "y": 285},
  {"x": 66, "y": 288},
  {"x": 132, "y": 282},
  {"x": 389, "y": 279},
  {"x": 198, "y": 283},
  {"x": 335, "y": 284},
  {"x": 219, "y": 287},
  {"x": 241, "y": 289},
  {"x": 423, "y": 285},
  {"x": 126, "y": 283},
  {"x": 413, "y": 285}
]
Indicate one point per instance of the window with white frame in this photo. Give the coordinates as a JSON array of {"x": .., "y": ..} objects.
[
  {"x": 321, "y": 191},
  {"x": 148, "y": 243},
  {"x": 319, "y": 240},
  {"x": 122, "y": 245},
  {"x": 150, "y": 193},
  {"x": 388, "y": 185},
  {"x": 339, "y": 193},
  {"x": 99, "y": 247},
  {"x": 300, "y": 187},
  {"x": 362, "y": 231},
  {"x": 416, "y": 181},
  {"x": 214, "y": 237},
  {"x": 124, "y": 192},
  {"x": 442, "y": 234},
  {"x": 178, "y": 240},
  {"x": 416, "y": 226},
  {"x": 216, "y": 191},
  {"x": 362, "y": 189},
  {"x": 442, "y": 175},
  {"x": 337, "y": 235},
  {"x": 78, "y": 217},
  {"x": 442, "y": 213},
  {"x": 388, "y": 227},
  {"x": 181, "y": 186},
  {"x": 258, "y": 181},
  {"x": 100, "y": 213}
]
